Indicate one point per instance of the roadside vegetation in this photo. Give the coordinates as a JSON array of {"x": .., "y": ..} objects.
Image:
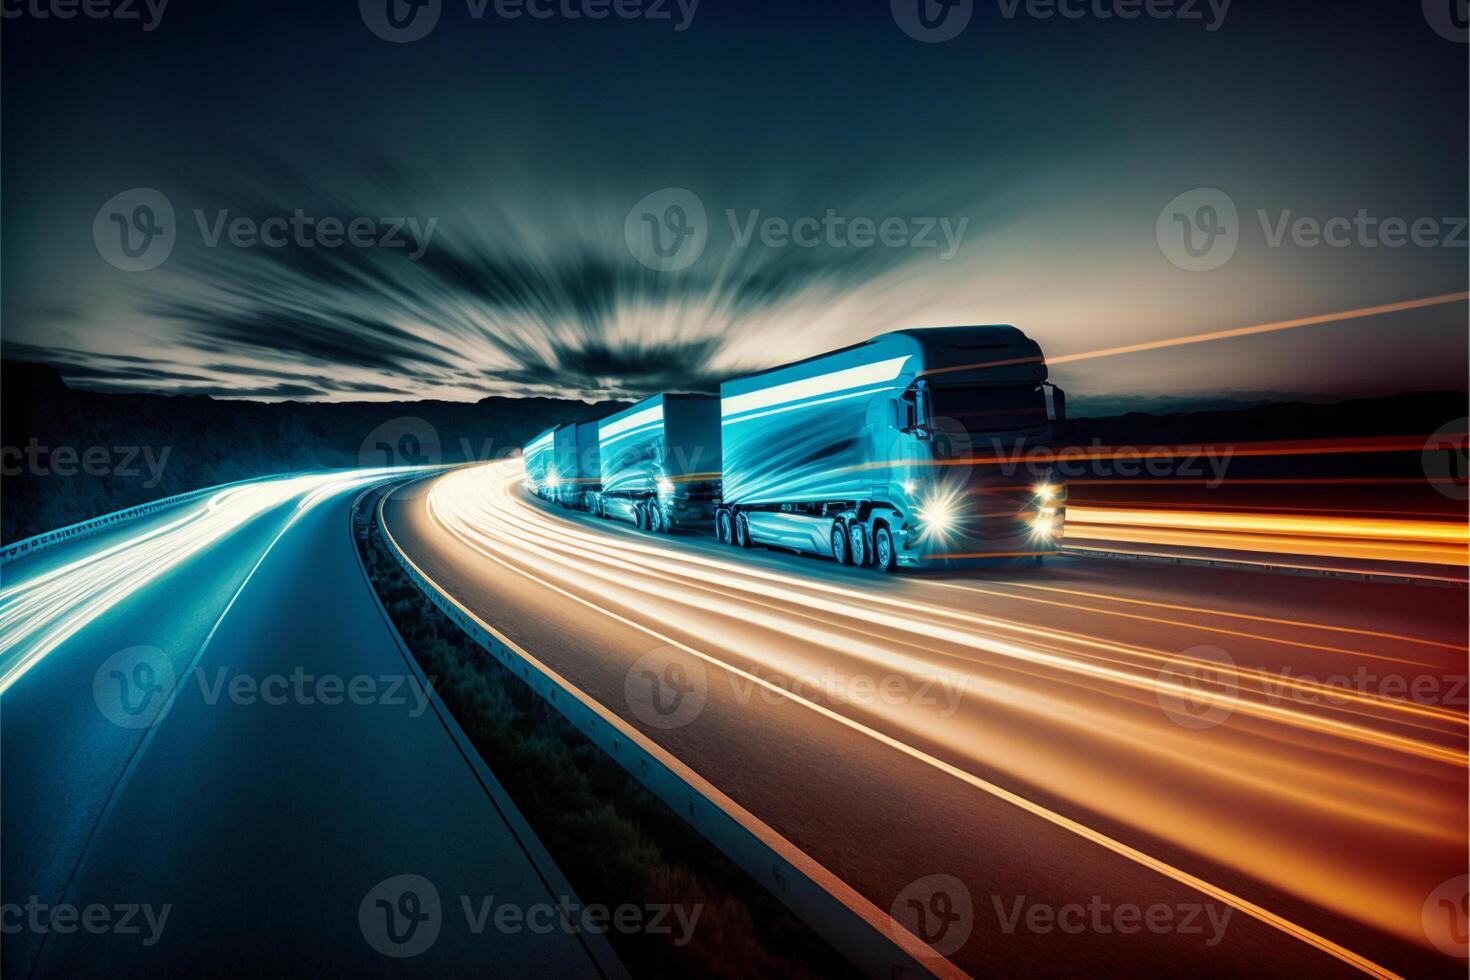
[{"x": 615, "y": 842}]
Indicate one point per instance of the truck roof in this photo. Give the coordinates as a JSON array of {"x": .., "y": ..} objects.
[{"x": 939, "y": 351}]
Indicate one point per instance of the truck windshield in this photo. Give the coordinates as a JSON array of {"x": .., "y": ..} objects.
[{"x": 989, "y": 408}]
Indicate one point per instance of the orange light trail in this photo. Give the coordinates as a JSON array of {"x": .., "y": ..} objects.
[{"x": 1275, "y": 792}]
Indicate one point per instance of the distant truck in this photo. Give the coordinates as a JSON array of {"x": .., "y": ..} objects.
[
  {"x": 575, "y": 461},
  {"x": 660, "y": 462},
  {"x": 884, "y": 453},
  {"x": 536, "y": 457}
]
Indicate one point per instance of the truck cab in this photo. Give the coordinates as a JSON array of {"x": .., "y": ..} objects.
[{"x": 916, "y": 449}]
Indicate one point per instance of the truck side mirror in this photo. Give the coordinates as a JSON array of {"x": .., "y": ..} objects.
[{"x": 1059, "y": 404}]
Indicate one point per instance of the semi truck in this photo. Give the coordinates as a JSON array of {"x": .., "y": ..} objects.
[
  {"x": 904, "y": 451},
  {"x": 660, "y": 462},
  {"x": 575, "y": 460}
]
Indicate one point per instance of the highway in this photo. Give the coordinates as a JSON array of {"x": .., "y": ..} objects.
[
  {"x": 215, "y": 745},
  {"x": 1269, "y": 769}
]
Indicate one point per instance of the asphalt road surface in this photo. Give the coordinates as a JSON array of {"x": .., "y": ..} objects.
[
  {"x": 217, "y": 756},
  {"x": 1093, "y": 767}
]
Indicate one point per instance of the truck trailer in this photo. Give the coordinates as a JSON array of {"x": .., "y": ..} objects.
[
  {"x": 536, "y": 457},
  {"x": 660, "y": 462},
  {"x": 575, "y": 460},
  {"x": 904, "y": 451}
]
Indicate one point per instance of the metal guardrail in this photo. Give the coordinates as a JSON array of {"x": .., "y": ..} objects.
[
  {"x": 40, "y": 542},
  {"x": 868, "y": 937}
]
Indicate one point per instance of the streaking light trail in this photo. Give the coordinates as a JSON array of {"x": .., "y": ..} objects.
[
  {"x": 38, "y": 614},
  {"x": 1352, "y": 803}
]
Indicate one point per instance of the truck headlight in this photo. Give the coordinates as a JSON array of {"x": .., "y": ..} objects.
[
  {"x": 937, "y": 515},
  {"x": 1044, "y": 525},
  {"x": 666, "y": 487},
  {"x": 1046, "y": 492}
]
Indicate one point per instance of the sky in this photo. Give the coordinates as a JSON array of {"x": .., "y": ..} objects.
[{"x": 816, "y": 173}]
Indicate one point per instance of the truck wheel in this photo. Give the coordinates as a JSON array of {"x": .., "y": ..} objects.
[
  {"x": 857, "y": 545},
  {"x": 640, "y": 517},
  {"x": 724, "y": 529},
  {"x": 742, "y": 532},
  {"x": 839, "y": 544},
  {"x": 884, "y": 557},
  {"x": 655, "y": 519}
]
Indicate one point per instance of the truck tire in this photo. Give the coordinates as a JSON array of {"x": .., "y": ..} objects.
[
  {"x": 857, "y": 545},
  {"x": 839, "y": 544},
  {"x": 885, "y": 559},
  {"x": 640, "y": 517},
  {"x": 724, "y": 528},
  {"x": 655, "y": 519},
  {"x": 742, "y": 531}
]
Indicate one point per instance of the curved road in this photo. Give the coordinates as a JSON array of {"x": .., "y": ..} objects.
[
  {"x": 1117, "y": 767},
  {"x": 217, "y": 756}
]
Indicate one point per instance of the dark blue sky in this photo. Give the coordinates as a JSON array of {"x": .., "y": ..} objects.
[{"x": 1022, "y": 168}]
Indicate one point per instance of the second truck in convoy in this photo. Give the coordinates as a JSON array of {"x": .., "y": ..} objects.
[
  {"x": 903, "y": 451},
  {"x": 660, "y": 462}
]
